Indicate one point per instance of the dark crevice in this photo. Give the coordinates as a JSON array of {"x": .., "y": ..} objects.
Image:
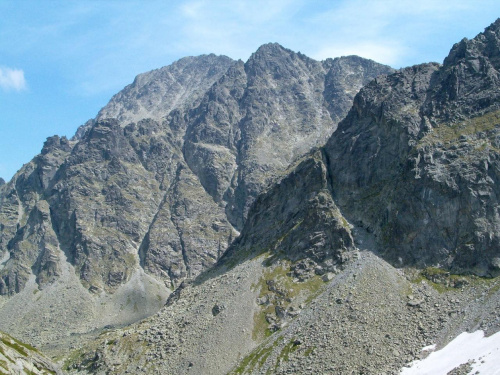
[{"x": 176, "y": 225}]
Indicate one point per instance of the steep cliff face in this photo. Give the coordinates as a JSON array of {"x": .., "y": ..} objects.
[
  {"x": 296, "y": 219},
  {"x": 416, "y": 161},
  {"x": 97, "y": 195},
  {"x": 410, "y": 175}
]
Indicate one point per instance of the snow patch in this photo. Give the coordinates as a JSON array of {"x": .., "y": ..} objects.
[{"x": 483, "y": 352}]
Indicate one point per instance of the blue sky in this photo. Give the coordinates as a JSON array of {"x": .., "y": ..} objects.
[{"x": 61, "y": 61}]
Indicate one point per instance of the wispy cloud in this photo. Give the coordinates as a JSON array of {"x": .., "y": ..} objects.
[
  {"x": 395, "y": 32},
  {"x": 388, "y": 31},
  {"x": 12, "y": 79}
]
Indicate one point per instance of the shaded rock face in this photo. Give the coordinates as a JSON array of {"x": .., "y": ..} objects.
[
  {"x": 297, "y": 219},
  {"x": 416, "y": 161},
  {"x": 164, "y": 176}
]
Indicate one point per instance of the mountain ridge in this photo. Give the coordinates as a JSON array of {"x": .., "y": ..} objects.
[{"x": 132, "y": 203}]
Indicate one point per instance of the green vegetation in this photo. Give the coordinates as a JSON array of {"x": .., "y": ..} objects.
[
  {"x": 345, "y": 224},
  {"x": 73, "y": 357},
  {"x": 444, "y": 281},
  {"x": 4, "y": 364},
  {"x": 18, "y": 348},
  {"x": 308, "y": 351},
  {"x": 284, "y": 292},
  {"x": 260, "y": 324},
  {"x": 450, "y": 133},
  {"x": 256, "y": 358},
  {"x": 287, "y": 349}
]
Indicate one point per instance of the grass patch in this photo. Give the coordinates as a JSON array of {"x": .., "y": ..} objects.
[
  {"x": 345, "y": 224},
  {"x": 256, "y": 358},
  {"x": 287, "y": 349},
  {"x": 443, "y": 281},
  {"x": 18, "y": 348},
  {"x": 308, "y": 351},
  {"x": 74, "y": 357},
  {"x": 450, "y": 133},
  {"x": 260, "y": 324},
  {"x": 276, "y": 284}
]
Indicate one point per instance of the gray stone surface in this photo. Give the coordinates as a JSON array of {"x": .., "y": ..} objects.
[
  {"x": 160, "y": 182},
  {"x": 310, "y": 285},
  {"x": 17, "y": 357},
  {"x": 416, "y": 160}
]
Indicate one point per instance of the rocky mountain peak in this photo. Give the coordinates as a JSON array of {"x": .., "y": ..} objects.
[
  {"x": 468, "y": 82},
  {"x": 274, "y": 60},
  {"x": 269, "y": 49},
  {"x": 2, "y": 181},
  {"x": 485, "y": 45},
  {"x": 147, "y": 201},
  {"x": 55, "y": 142},
  {"x": 156, "y": 93},
  {"x": 431, "y": 130},
  {"x": 154, "y": 190}
]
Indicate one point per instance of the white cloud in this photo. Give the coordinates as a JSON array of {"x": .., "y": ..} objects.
[{"x": 12, "y": 79}]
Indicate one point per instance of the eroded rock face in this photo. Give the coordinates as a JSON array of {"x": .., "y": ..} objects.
[
  {"x": 297, "y": 219},
  {"x": 18, "y": 358},
  {"x": 410, "y": 175},
  {"x": 416, "y": 161},
  {"x": 264, "y": 114},
  {"x": 156, "y": 93}
]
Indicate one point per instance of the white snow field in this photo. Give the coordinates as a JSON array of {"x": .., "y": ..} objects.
[{"x": 483, "y": 352}]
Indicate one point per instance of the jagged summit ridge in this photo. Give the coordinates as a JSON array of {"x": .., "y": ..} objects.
[
  {"x": 396, "y": 181},
  {"x": 485, "y": 45},
  {"x": 156, "y": 93}
]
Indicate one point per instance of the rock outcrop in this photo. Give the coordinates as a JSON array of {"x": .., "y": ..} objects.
[
  {"x": 155, "y": 189},
  {"x": 17, "y": 357},
  {"x": 416, "y": 161}
]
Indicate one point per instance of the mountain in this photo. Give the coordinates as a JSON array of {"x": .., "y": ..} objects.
[
  {"x": 281, "y": 215},
  {"x": 100, "y": 228},
  {"x": 364, "y": 251}
]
